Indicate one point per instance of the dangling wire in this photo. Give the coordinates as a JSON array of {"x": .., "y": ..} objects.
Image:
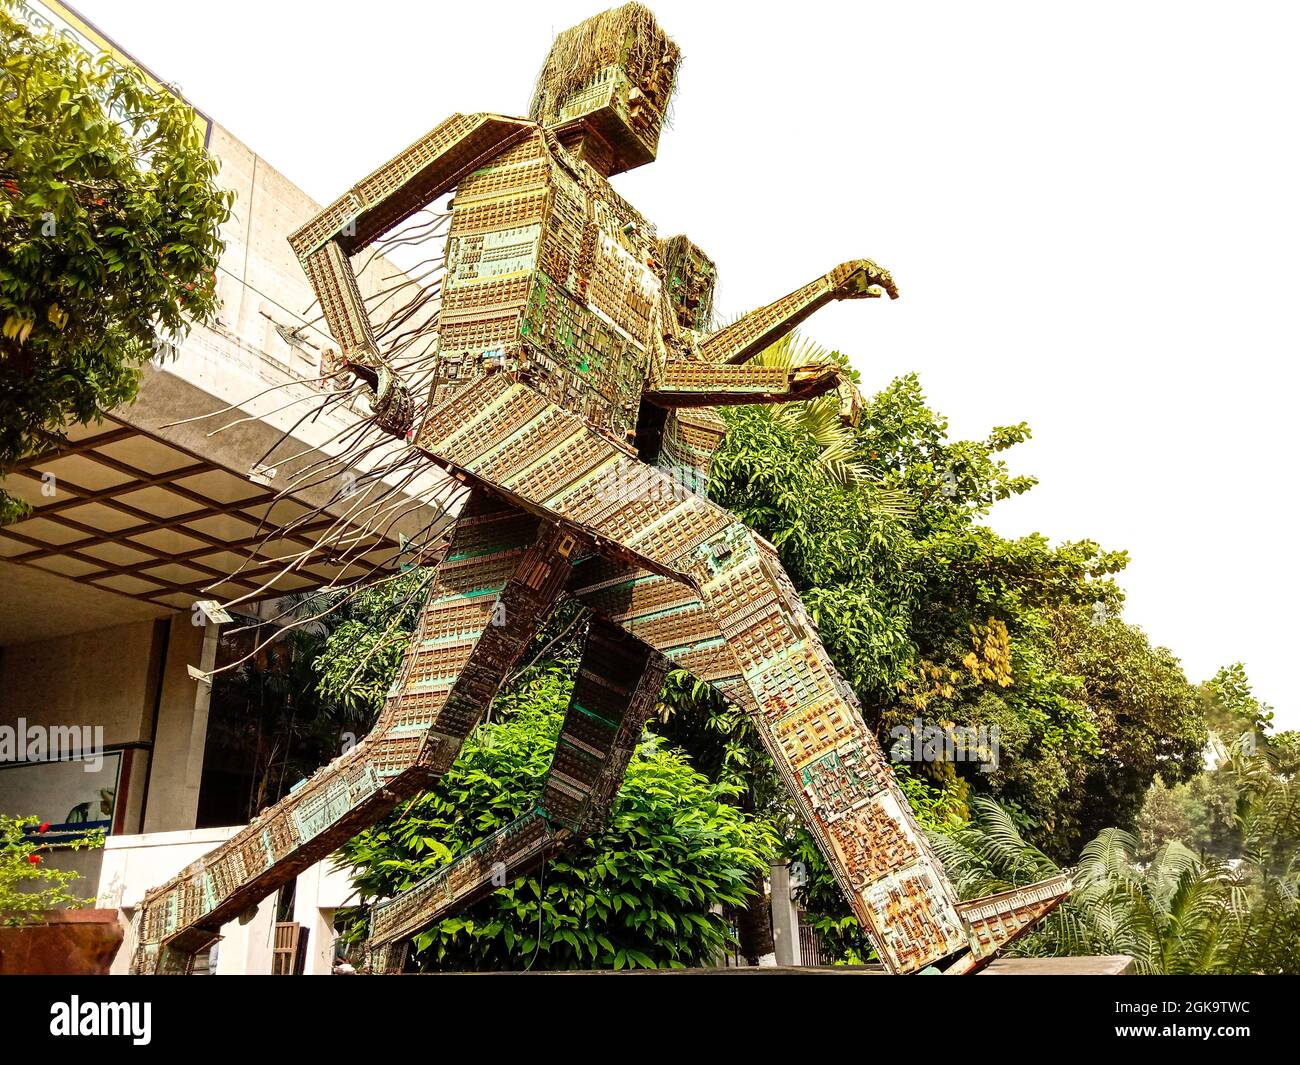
[{"x": 351, "y": 529}]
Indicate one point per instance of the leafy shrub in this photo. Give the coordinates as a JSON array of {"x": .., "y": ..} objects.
[
  {"x": 638, "y": 895},
  {"x": 23, "y": 870}
]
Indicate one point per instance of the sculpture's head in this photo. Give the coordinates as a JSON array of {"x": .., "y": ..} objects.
[
  {"x": 689, "y": 280},
  {"x": 605, "y": 86}
]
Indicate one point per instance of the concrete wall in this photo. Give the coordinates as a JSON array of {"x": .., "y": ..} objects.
[
  {"x": 93, "y": 678},
  {"x": 320, "y": 892},
  {"x": 133, "y": 681},
  {"x": 260, "y": 282},
  {"x": 111, "y": 678}
]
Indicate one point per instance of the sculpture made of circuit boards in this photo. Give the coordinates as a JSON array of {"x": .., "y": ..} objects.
[{"x": 572, "y": 390}]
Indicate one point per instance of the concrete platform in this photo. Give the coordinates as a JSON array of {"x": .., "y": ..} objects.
[{"x": 1099, "y": 965}]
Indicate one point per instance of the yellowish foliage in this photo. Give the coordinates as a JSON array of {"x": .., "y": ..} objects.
[{"x": 990, "y": 657}]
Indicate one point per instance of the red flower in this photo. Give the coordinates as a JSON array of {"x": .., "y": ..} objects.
[
  {"x": 35, "y": 859},
  {"x": 44, "y": 825}
]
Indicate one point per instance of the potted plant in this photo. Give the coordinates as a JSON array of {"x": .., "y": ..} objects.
[{"x": 44, "y": 929}]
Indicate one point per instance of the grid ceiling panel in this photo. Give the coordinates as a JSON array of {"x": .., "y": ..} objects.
[{"x": 136, "y": 516}]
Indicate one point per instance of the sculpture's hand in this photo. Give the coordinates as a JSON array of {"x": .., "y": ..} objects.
[
  {"x": 389, "y": 398},
  {"x": 862, "y": 279},
  {"x": 809, "y": 382},
  {"x": 851, "y": 403}
]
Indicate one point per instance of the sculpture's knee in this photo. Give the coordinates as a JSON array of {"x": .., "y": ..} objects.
[{"x": 738, "y": 563}]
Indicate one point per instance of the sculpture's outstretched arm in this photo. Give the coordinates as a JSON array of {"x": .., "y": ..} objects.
[
  {"x": 686, "y": 383},
  {"x": 405, "y": 184},
  {"x": 746, "y": 337}
]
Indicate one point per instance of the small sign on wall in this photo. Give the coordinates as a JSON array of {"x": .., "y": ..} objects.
[{"x": 74, "y": 797}]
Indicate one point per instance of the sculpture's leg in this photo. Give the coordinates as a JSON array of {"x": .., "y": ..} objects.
[
  {"x": 829, "y": 760},
  {"x": 501, "y": 576},
  {"x": 618, "y": 681},
  {"x": 743, "y": 607},
  {"x": 747, "y": 633}
]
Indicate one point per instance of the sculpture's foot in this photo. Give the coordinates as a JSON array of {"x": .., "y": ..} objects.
[
  {"x": 173, "y": 956},
  {"x": 996, "y": 921}
]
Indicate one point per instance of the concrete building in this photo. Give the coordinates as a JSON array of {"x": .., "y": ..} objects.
[{"x": 137, "y": 518}]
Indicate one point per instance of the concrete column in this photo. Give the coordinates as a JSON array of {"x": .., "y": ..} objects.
[
  {"x": 247, "y": 943},
  {"x": 316, "y": 921},
  {"x": 176, "y": 765},
  {"x": 785, "y": 918}
]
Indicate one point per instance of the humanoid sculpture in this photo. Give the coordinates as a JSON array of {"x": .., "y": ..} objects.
[{"x": 571, "y": 392}]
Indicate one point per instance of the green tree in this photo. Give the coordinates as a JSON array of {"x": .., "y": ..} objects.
[
  {"x": 109, "y": 233},
  {"x": 1264, "y": 934},
  {"x": 1212, "y": 806},
  {"x": 28, "y": 886},
  {"x": 1231, "y": 708},
  {"x": 1148, "y": 720},
  {"x": 267, "y": 717},
  {"x": 1201, "y": 813},
  {"x": 1165, "y": 817},
  {"x": 1174, "y": 913},
  {"x": 1285, "y": 749},
  {"x": 370, "y": 629},
  {"x": 1207, "y": 811}
]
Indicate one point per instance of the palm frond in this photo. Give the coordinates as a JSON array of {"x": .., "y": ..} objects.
[{"x": 838, "y": 457}]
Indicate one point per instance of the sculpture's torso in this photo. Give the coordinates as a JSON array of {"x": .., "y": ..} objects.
[{"x": 552, "y": 275}]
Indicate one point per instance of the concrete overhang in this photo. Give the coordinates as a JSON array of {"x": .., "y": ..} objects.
[{"x": 137, "y": 516}]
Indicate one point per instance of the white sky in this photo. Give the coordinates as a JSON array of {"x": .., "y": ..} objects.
[{"x": 1091, "y": 210}]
